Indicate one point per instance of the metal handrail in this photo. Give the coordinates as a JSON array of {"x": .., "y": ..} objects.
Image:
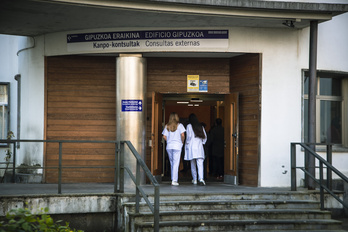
[
  {"x": 140, "y": 163},
  {"x": 118, "y": 175},
  {"x": 322, "y": 162},
  {"x": 60, "y": 166}
]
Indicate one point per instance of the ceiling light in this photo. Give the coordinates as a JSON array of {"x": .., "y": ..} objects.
[
  {"x": 182, "y": 102},
  {"x": 196, "y": 100}
]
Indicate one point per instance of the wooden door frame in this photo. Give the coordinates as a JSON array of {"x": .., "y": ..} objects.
[
  {"x": 156, "y": 135},
  {"x": 231, "y": 119}
]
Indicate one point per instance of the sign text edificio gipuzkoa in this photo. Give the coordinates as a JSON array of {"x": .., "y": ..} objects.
[{"x": 171, "y": 40}]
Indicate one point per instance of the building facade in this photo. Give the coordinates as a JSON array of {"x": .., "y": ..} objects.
[{"x": 246, "y": 65}]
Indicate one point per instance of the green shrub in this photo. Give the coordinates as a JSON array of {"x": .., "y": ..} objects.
[{"x": 18, "y": 220}]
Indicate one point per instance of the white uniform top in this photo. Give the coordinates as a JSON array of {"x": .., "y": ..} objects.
[
  {"x": 174, "y": 138},
  {"x": 194, "y": 145}
]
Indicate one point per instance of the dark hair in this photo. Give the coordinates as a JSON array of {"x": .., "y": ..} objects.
[
  {"x": 196, "y": 126},
  {"x": 218, "y": 121}
]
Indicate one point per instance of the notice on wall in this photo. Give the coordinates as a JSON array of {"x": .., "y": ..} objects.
[
  {"x": 158, "y": 40},
  {"x": 132, "y": 105},
  {"x": 203, "y": 86},
  {"x": 192, "y": 83}
]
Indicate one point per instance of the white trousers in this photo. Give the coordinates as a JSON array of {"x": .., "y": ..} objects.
[
  {"x": 174, "y": 158},
  {"x": 199, "y": 163}
]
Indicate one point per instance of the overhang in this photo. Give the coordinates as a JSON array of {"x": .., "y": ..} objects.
[{"x": 37, "y": 17}]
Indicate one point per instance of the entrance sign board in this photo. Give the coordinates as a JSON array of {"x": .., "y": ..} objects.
[
  {"x": 132, "y": 105},
  {"x": 159, "y": 40}
]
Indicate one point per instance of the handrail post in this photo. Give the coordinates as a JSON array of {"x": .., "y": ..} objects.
[
  {"x": 321, "y": 171},
  {"x": 122, "y": 166},
  {"x": 14, "y": 164},
  {"x": 293, "y": 167},
  {"x": 60, "y": 169},
  {"x": 328, "y": 170},
  {"x": 156, "y": 213},
  {"x": 137, "y": 193},
  {"x": 306, "y": 155},
  {"x": 116, "y": 173}
]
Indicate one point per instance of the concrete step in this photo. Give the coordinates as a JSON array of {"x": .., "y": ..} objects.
[
  {"x": 226, "y": 205},
  {"x": 279, "y": 211},
  {"x": 243, "y": 225},
  {"x": 238, "y": 196},
  {"x": 232, "y": 215}
]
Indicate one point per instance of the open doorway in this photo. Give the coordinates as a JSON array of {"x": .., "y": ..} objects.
[
  {"x": 240, "y": 74},
  {"x": 208, "y": 108}
]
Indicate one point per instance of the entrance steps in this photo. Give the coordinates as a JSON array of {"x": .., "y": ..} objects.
[{"x": 287, "y": 211}]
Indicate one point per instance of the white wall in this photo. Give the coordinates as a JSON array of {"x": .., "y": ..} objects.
[
  {"x": 8, "y": 69},
  {"x": 18, "y": 56},
  {"x": 280, "y": 97},
  {"x": 31, "y": 68},
  {"x": 333, "y": 44},
  {"x": 281, "y": 106}
]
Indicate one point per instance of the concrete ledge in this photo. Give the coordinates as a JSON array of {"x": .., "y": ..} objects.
[{"x": 61, "y": 204}]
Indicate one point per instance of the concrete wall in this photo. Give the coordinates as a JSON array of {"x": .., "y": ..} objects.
[
  {"x": 31, "y": 67},
  {"x": 21, "y": 55},
  {"x": 84, "y": 212},
  {"x": 8, "y": 69}
]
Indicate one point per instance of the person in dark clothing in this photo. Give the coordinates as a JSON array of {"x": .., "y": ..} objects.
[
  {"x": 217, "y": 142},
  {"x": 205, "y": 146}
]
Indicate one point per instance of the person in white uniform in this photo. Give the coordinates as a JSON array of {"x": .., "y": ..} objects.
[
  {"x": 194, "y": 151},
  {"x": 174, "y": 134}
]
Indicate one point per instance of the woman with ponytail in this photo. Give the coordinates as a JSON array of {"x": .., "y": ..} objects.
[{"x": 194, "y": 151}]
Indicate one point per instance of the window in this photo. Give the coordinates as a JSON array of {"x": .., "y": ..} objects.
[
  {"x": 331, "y": 108},
  {"x": 4, "y": 109}
]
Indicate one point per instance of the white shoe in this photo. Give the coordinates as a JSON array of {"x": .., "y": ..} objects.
[
  {"x": 194, "y": 181},
  {"x": 174, "y": 183},
  {"x": 201, "y": 182}
]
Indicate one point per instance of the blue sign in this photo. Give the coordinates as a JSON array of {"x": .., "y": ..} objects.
[
  {"x": 203, "y": 85},
  {"x": 132, "y": 105}
]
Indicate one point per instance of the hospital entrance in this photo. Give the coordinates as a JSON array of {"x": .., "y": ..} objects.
[
  {"x": 207, "y": 107},
  {"x": 233, "y": 95}
]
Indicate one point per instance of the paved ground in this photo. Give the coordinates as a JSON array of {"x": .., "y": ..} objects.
[{"x": 34, "y": 189}]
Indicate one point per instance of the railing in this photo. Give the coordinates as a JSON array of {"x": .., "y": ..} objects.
[
  {"x": 119, "y": 168},
  {"x": 322, "y": 162},
  {"x": 136, "y": 180}
]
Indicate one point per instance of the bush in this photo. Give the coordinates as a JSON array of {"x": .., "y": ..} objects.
[{"x": 18, "y": 220}]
